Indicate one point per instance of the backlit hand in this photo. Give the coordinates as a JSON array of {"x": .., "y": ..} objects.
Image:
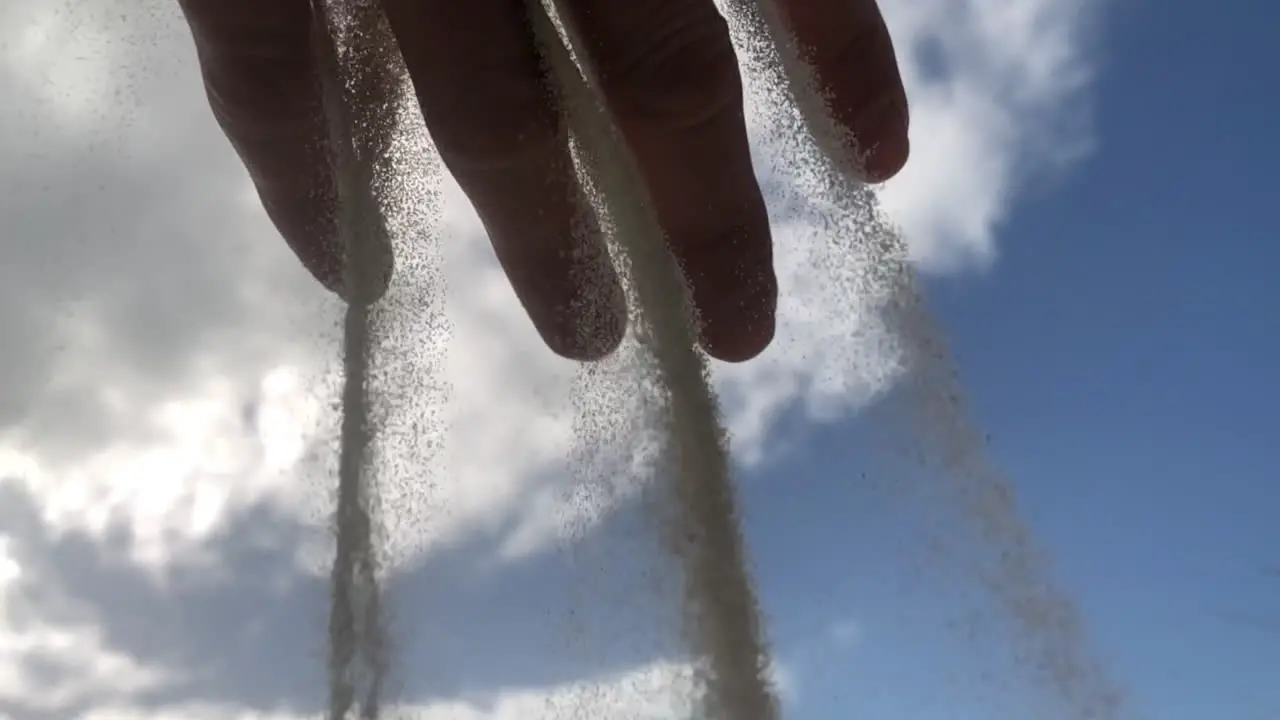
[{"x": 670, "y": 76}]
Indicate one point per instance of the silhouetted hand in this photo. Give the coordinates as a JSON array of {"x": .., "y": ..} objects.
[{"x": 670, "y": 76}]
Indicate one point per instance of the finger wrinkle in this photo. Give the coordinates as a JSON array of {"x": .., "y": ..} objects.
[{"x": 678, "y": 72}]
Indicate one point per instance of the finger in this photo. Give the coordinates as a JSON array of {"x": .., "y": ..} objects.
[
  {"x": 670, "y": 76},
  {"x": 492, "y": 116},
  {"x": 847, "y": 44},
  {"x": 258, "y": 66}
]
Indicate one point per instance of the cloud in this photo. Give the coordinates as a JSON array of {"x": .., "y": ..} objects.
[
  {"x": 164, "y": 403},
  {"x": 647, "y": 693},
  {"x": 238, "y": 622},
  {"x": 843, "y": 634},
  {"x": 998, "y": 93}
]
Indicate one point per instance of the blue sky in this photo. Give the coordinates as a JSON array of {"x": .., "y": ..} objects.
[
  {"x": 162, "y": 462},
  {"x": 1119, "y": 353}
]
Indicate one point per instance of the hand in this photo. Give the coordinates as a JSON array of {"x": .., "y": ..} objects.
[{"x": 670, "y": 76}]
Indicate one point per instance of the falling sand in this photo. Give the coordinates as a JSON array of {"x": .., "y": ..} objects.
[
  {"x": 360, "y": 133},
  {"x": 722, "y": 623},
  {"x": 1045, "y": 619},
  {"x": 721, "y": 606}
]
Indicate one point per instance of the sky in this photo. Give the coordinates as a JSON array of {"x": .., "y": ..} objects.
[{"x": 1085, "y": 199}]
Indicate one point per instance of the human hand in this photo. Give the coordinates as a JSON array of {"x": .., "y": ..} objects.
[{"x": 670, "y": 76}]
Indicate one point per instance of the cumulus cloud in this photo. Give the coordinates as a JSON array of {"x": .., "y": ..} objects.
[
  {"x": 998, "y": 93},
  {"x": 165, "y": 403}
]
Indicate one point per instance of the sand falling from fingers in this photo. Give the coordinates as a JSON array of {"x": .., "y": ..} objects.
[
  {"x": 722, "y": 618},
  {"x": 356, "y": 76},
  {"x": 1051, "y": 638},
  {"x": 721, "y": 623}
]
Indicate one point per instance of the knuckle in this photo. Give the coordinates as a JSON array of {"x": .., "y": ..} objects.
[{"x": 680, "y": 72}]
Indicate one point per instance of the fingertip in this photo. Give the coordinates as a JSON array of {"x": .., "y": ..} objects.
[
  {"x": 310, "y": 228},
  {"x": 850, "y": 50},
  {"x": 573, "y": 295},
  {"x": 591, "y": 326},
  {"x": 736, "y": 330},
  {"x": 589, "y": 338},
  {"x": 740, "y": 346},
  {"x": 888, "y": 155},
  {"x": 877, "y": 133},
  {"x": 368, "y": 291},
  {"x": 733, "y": 285}
]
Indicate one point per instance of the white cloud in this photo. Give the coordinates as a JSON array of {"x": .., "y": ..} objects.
[
  {"x": 785, "y": 681},
  {"x": 844, "y": 633},
  {"x": 647, "y": 693},
  {"x": 1009, "y": 99},
  {"x": 168, "y": 366}
]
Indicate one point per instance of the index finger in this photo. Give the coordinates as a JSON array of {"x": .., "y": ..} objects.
[{"x": 848, "y": 47}]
